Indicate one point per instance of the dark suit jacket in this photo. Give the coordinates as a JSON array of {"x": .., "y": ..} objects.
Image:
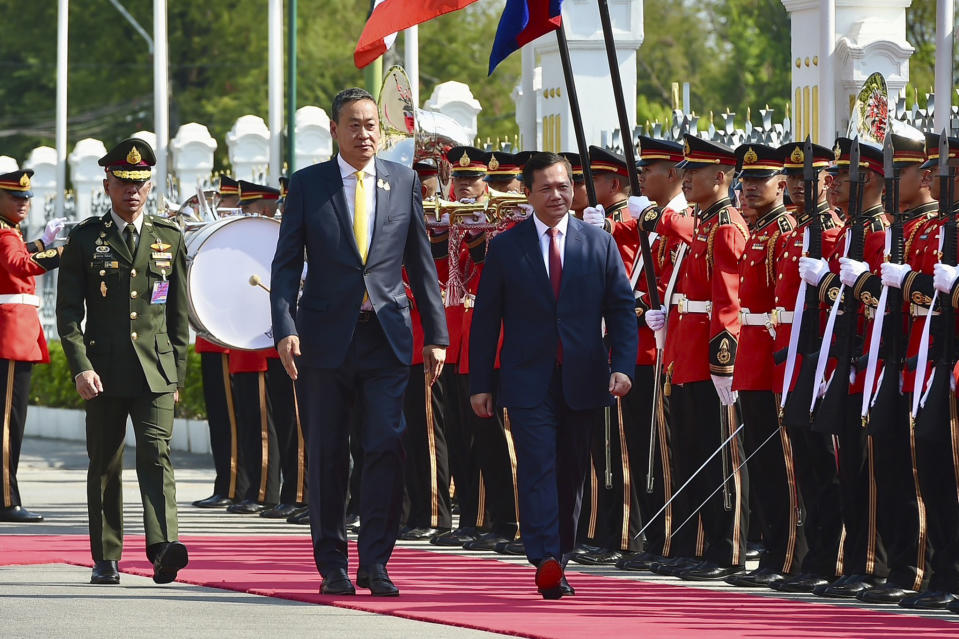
[
  {"x": 316, "y": 218},
  {"x": 515, "y": 290}
]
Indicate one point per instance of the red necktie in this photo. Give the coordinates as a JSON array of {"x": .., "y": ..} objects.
[
  {"x": 555, "y": 261},
  {"x": 555, "y": 275}
]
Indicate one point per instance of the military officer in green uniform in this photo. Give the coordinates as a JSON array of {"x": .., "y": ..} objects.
[{"x": 125, "y": 273}]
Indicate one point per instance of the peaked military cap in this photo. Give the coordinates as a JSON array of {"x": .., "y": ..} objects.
[
  {"x": 250, "y": 192},
  {"x": 131, "y": 160},
  {"x": 228, "y": 186},
  {"x": 870, "y": 155},
  {"x": 932, "y": 150},
  {"x": 794, "y": 157},
  {"x": 653, "y": 150},
  {"x": 907, "y": 151},
  {"x": 575, "y": 163},
  {"x": 467, "y": 161},
  {"x": 699, "y": 153},
  {"x": 758, "y": 161},
  {"x": 505, "y": 166},
  {"x": 17, "y": 183},
  {"x": 425, "y": 169},
  {"x": 604, "y": 161}
]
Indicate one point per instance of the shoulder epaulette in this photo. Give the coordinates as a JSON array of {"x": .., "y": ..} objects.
[
  {"x": 724, "y": 217},
  {"x": 164, "y": 221},
  {"x": 785, "y": 225},
  {"x": 876, "y": 223},
  {"x": 828, "y": 222},
  {"x": 87, "y": 221}
]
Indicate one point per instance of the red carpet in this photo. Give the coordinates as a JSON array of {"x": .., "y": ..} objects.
[{"x": 491, "y": 595}]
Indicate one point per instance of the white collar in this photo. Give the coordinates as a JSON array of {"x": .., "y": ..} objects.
[
  {"x": 347, "y": 170},
  {"x": 121, "y": 223},
  {"x": 541, "y": 228}
]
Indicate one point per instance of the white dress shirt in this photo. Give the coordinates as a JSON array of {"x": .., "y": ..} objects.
[
  {"x": 137, "y": 221},
  {"x": 348, "y": 173},
  {"x": 545, "y": 239}
]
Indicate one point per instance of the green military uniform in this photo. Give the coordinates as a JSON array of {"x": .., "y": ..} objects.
[{"x": 135, "y": 339}]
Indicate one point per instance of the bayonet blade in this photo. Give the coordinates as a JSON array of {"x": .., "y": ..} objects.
[
  {"x": 944, "y": 154},
  {"x": 888, "y": 158},
  {"x": 854, "y": 160}
]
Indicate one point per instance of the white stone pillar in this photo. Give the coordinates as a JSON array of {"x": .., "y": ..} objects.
[
  {"x": 456, "y": 100},
  {"x": 85, "y": 174},
  {"x": 43, "y": 161},
  {"x": 192, "y": 148},
  {"x": 248, "y": 143},
  {"x": 313, "y": 140},
  {"x": 8, "y": 164}
]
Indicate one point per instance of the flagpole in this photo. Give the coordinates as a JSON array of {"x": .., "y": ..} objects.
[
  {"x": 63, "y": 12},
  {"x": 411, "y": 44},
  {"x": 161, "y": 98},
  {"x": 576, "y": 113},
  {"x": 628, "y": 151},
  {"x": 275, "y": 87},
  {"x": 291, "y": 87}
]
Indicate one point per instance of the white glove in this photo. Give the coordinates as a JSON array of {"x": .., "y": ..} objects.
[
  {"x": 595, "y": 215},
  {"x": 656, "y": 318},
  {"x": 724, "y": 388},
  {"x": 467, "y": 200},
  {"x": 944, "y": 276},
  {"x": 812, "y": 270},
  {"x": 638, "y": 204},
  {"x": 474, "y": 219},
  {"x": 894, "y": 274},
  {"x": 850, "y": 270},
  {"x": 53, "y": 229}
]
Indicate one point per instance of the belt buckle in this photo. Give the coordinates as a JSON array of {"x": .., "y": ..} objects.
[{"x": 682, "y": 305}]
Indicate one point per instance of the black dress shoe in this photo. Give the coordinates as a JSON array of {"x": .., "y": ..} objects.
[
  {"x": 852, "y": 586},
  {"x": 456, "y": 537},
  {"x": 806, "y": 582},
  {"x": 549, "y": 578},
  {"x": 709, "y": 571},
  {"x": 929, "y": 600},
  {"x": 638, "y": 561},
  {"x": 337, "y": 582},
  {"x": 420, "y": 534},
  {"x": 582, "y": 548},
  {"x": 213, "y": 501},
  {"x": 754, "y": 550},
  {"x": 885, "y": 594},
  {"x": 759, "y": 578},
  {"x": 672, "y": 566},
  {"x": 601, "y": 557},
  {"x": 19, "y": 514},
  {"x": 299, "y": 516},
  {"x": 246, "y": 507},
  {"x": 377, "y": 580},
  {"x": 954, "y": 606},
  {"x": 486, "y": 541},
  {"x": 515, "y": 547},
  {"x": 352, "y": 523},
  {"x": 280, "y": 511},
  {"x": 820, "y": 589},
  {"x": 105, "y": 573},
  {"x": 565, "y": 588},
  {"x": 168, "y": 561}
]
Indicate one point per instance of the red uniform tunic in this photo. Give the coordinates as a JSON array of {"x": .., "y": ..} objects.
[
  {"x": 757, "y": 284},
  {"x": 700, "y": 344},
  {"x": 21, "y": 336},
  {"x": 922, "y": 254}
]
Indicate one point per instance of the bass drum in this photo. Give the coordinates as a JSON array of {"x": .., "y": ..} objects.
[{"x": 224, "y": 307}]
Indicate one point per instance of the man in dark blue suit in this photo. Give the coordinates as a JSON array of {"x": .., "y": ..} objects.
[
  {"x": 551, "y": 282},
  {"x": 348, "y": 340}
]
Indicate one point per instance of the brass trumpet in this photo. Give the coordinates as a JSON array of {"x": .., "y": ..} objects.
[{"x": 496, "y": 208}]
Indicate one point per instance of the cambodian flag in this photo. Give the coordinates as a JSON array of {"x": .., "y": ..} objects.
[{"x": 522, "y": 22}]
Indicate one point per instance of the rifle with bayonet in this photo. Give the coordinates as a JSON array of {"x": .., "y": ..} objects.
[
  {"x": 935, "y": 415},
  {"x": 795, "y": 412},
  {"x": 831, "y": 411},
  {"x": 885, "y": 411}
]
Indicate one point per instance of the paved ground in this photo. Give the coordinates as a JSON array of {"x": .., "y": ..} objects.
[{"x": 43, "y": 601}]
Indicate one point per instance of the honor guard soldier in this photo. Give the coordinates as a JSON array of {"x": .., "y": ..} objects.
[
  {"x": 660, "y": 181},
  {"x": 901, "y": 522},
  {"x": 701, "y": 351},
  {"x": 22, "y": 343},
  {"x": 124, "y": 275},
  {"x": 774, "y": 495},
  {"x": 812, "y": 454},
  {"x": 229, "y": 192},
  {"x": 864, "y": 556},
  {"x": 504, "y": 171}
]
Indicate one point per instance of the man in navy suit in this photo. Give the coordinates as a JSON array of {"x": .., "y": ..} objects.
[
  {"x": 551, "y": 281},
  {"x": 348, "y": 341}
]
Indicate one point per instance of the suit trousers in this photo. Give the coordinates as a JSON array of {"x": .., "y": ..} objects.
[
  {"x": 552, "y": 451},
  {"x": 373, "y": 378},
  {"x": 230, "y": 480},
  {"x": 696, "y": 430},
  {"x": 771, "y": 490},
  {"x": 106, "y": 424},
  {"x": 15, "y": 386},
  {"x": 258, "y": 440},
  {"x": 427, "y": 501},
  {"x": 291, "y": 445}
]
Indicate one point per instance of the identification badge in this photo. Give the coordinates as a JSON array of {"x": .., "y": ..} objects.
[
  {"x": 162, "y": 256},
  {"x": 160, "y": 291}
]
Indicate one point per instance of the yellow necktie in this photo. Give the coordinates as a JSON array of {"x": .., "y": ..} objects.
[{"x": 361, "y": 218}]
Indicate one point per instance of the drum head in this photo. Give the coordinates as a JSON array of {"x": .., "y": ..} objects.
[{"x": 223, "y": 304}]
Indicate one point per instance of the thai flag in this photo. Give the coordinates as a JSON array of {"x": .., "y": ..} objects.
[
  {"x": 522, "y": 22},
  {"x": 389, "y": 17}
]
